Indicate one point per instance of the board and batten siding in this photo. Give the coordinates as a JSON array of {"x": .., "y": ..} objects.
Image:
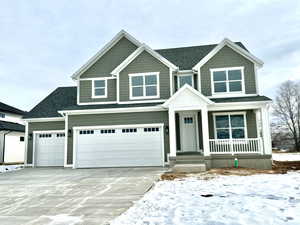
[
  {"x": 85, "y": 91},
  {"x": 142, "y": 64},
  {"x": 116, "y": 119},
  {"x": 111, "y": 59},
  {"x": 41, "y": 126},
  {"x": 227, "y": 57},
  {"x": 251, "y": 123}
]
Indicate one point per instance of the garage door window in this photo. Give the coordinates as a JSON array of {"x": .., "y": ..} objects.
[
  {"x": 151, "y": 129},
  {"x": 86, "y": 132},
  {"x": 60, "y": 135},
  {"x": 129, "y": 130},
  {"x": 108, "y": 131},
  {"x": 45, "y": 135}
]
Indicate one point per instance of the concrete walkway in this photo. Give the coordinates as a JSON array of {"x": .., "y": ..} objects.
[{"x": 57, "y": 196}]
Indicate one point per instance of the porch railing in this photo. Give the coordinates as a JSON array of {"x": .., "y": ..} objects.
[{"x": 235, "y": 146}]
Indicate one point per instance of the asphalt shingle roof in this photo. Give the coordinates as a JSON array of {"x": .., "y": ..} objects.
[
  {"x": 9, "y": 126},
  {"x": 65, "y": 98},
  {"x": 7, "y": 108},
  {"x": 187, "y": 57}
]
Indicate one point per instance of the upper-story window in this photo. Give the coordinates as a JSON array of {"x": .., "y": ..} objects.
[
  {"x": 185, "y": 79},
  {"x": 2, "y": 115},
  {"x": 99, "y": 89},
  {"x": 228, "y": 80},
  {"x": 144, "y": 85}
]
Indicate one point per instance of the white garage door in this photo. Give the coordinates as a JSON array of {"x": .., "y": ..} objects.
[
  {"x": 49, "y": 149},
  {"x": 119, "y": 147}
]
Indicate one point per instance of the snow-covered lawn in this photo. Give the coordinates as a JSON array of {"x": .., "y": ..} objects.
[
  {"x": 236, "y": 200},
  {"x": 286, "y": 156},
  {"x": 8, "y": 168}
]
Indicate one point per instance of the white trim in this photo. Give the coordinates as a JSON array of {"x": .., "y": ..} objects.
[
  {"x": 185, "y": 75},
  {"x": 230, "y": 129},
  {"x": 227, "y": 93},
  {"x": 136, "y": 53},
  {"x": 146, "y": 101},
  {"x": 105, "y": 49},
  {"x": 34, "y": 141},
  {"x": 256, "y": 79},
  {"x": 237, "y": 105},
  {"x": 114, "y": 110},
  {"x": 105, "y": 88},
  {"x": 117, "y": 126},
  {"x": 98, "y": 78},
  {"x": 171, "y": 82},
  {"x": 182, "y": 89},
  {"x": 172, "y": 133},
  {"x": 26, "y": 143},
  {"x": 184, "y": 71},
  {"x": 118, "y": 87},
  {"x": 66, "y": 142},
  {"x": 199, "y": 81},
  {"x": 233, "y": 46},
  {"x": 233, "y": 96},
  {"x": 98, "y": 103},
  {"x": 45, "y": 119},
  {"x": 78, "y": 91},
  {"x": 75, "y": 135},
  {"x": 144, "y": 85}
]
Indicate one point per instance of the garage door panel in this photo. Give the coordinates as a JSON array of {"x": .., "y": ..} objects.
[
  {"x": 49, "y": 149},
  {"x": 123, "y": 148}
]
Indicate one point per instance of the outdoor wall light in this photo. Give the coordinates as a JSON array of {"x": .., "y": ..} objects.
[
  {"x": 167, "y": 129},
  {"x": 70, "y": 133}
]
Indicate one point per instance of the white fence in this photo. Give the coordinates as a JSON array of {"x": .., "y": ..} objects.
[{"x": 235, "y": 146}]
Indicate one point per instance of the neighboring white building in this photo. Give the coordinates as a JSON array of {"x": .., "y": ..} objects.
[{"x": 12, "y": 132}]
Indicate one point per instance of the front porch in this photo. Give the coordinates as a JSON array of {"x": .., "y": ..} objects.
[{"x": 200, "y": 127}]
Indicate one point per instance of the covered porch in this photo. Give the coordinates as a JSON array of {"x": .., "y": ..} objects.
[{"x": 199, "y": 126}]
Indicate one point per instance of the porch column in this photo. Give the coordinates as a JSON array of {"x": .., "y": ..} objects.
[
  {"x": 172, "y": 132},
  {"x": 205, "y": 135},
  {"x": 266, "y": 133}
]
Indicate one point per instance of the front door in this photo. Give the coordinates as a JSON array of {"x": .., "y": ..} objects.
[{"x": 188, "y": 131}]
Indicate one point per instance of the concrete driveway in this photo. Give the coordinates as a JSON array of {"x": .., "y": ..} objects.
[{"x": 57, "y": 196}]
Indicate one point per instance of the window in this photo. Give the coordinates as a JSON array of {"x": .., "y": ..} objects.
[
  {"x": 185, "y": 79},
  {"x": 45, "y": 135},
  {"x": 108, "y": 131},
  {"x": 129, "y": 130},
  {"x": 86, "y": 132},
  {"x": 99, "y": 88},
  {"x": 227, "y": 80},
  {"x": 2, "y": 115},
  {"x": 230, "y": 126},
  {"x": 151, "y": 129},
  {"x": 144, "y": 85},
  {"x": 60, "y": 135},
  {"x": 188, "y": 120},
  {"x": 22, "y": 139}
]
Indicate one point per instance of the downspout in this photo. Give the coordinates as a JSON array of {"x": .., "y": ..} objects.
[{"x": 3, "y": 150}]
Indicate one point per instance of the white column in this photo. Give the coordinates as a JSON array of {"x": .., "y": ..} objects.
[
  {"x": 266, "y": 133},
  {"x": 172, "y": 132},
  {"x": 205, "y": 134}
]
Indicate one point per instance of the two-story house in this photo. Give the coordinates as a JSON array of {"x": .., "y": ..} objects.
[
  {"x": 135, "y": 106},
  {"x": 12, "y": 134}
]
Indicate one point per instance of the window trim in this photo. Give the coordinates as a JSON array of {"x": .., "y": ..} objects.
[
  {"x": 2, "y": 115},
  {"x": 105, "y": 88},
  {"x": 144, "y": 86},
  {"x": 185, "y": 75},
  {"x": 227, "y": 93},
  {"x": 244, "y": 113}
]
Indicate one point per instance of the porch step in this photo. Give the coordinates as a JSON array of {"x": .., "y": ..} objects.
[{"x": 189, "y": 168}]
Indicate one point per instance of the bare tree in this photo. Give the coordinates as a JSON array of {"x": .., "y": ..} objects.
[{"x": 287, "y": 109}]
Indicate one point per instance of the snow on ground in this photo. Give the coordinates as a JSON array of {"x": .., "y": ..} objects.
[
  {"x": 286, "y": 156},
  {"x": 8, "y": 168},
  {"x": 237, "y": 200},
  {"x": 63, "y": 219}
]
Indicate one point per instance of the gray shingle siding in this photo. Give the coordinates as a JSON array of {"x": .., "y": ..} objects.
[
  {"x": 111, "y": 59},
  {"x": 227, "y": 57},
  {"x": 116, "y": 119},
  {"x": 41, "y": 126},
  {"x": 145, "y": 63},
  {"x": 86, "y": 91}
]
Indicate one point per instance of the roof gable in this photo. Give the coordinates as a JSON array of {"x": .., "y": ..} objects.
[
  {"x": 102, "y": 52},
  {"x": 233, "y": 46},
  {"x": 136, "y": 53}
]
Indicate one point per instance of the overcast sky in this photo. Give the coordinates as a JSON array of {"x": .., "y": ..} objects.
[{"x": 42, "y": 43}]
